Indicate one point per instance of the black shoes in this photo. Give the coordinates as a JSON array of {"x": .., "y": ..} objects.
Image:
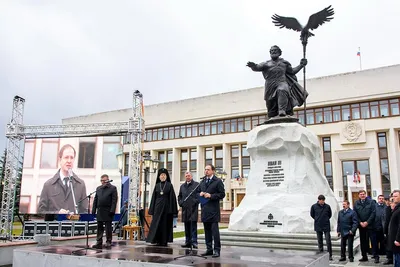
[
  {"x": 342, "y": 259},
  {"x": 97, "y": 246},
  {"x": 363, "y": 259},
  {"x": 388, "y": 262},
  {"x": 216, "y": 254},
  {"x": 207, "y": 253},
  {"x": 186, "y": 246}
]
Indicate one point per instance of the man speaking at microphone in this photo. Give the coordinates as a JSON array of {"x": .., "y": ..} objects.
[
  {"x": 62, "y": 192},
  {"x": 105, "y": 202}
]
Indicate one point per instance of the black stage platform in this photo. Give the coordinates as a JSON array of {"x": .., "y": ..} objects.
[{"x": 137, "y": 253}]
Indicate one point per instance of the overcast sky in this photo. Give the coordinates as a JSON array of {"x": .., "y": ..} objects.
[{"x": 70, "y": 58}]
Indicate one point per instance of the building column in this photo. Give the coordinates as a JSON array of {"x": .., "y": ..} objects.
[
  {"x": 375, "y": 169},
  {"x": 176, "y": 168},
  {"x": 226, "y": 163},
  {"x": 394, "y": 160},
  {"x": 200, "y": 162},
  {"x": 338, "y": 187}
]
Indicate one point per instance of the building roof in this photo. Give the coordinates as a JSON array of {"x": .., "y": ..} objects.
[{"x": 328, "y": 90}]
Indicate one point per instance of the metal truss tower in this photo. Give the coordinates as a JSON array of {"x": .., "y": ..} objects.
[
  {"x": 16, "y": 131},
  {"x": 136, "y": 130},
  {"x": 11, "y": 168}
]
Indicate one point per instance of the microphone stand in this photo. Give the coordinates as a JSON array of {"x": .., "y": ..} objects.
[
  {"x": 73, "y": 195},
  {"x": 190, "y": 229},
  {"x": 87, "y": 225}
]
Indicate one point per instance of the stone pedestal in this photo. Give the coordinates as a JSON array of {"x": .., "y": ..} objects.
[{"x": 285, "y": 180}]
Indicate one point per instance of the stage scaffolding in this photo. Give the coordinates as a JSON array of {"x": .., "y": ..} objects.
[{"x": 16, "y": 132}]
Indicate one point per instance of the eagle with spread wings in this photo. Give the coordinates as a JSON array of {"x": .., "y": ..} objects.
[{"x": 313, "y": 23}]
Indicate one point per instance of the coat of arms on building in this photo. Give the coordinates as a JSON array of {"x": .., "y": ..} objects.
[{"x": 352, "y": 131}]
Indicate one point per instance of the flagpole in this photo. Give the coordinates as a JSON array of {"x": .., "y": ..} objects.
[{"x": 359, "y": 55}]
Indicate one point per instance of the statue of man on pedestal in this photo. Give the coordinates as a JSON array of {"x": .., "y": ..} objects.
[{"x": 282, "y": 91}]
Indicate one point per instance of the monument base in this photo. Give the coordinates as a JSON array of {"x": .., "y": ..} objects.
[
  {"x": 285, "y": 180},
  {"x": 292, "y": 241}
]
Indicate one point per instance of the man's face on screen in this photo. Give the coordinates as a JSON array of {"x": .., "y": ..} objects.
[{"x": 67, "y": 159}]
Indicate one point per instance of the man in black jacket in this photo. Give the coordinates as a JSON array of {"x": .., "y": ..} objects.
[
  {"x": 211, "y": 191},
  {"x": 346, "y": 228},
  {"x": 105, "y": 202},
  {"x": 379, "y": 224},
  {"x": 322, "y": 213},
  {"x": 365, "y": 209},
  {"x": 190, "y": 209}
]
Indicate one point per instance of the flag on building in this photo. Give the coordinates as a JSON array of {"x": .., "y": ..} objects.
[{"x": 358, "y": 53}]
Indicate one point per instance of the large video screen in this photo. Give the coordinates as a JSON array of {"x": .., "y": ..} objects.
[{"x": 59, "y": 174}]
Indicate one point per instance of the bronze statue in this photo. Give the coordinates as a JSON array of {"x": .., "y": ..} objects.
[
  {"x": 315, "y": 20},
  {"x": 282, "y": 91}
]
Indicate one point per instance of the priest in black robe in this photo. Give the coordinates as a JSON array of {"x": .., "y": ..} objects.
[{"x": 163, "y": 207}]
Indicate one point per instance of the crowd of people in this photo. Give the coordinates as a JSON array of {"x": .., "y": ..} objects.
[{"x": 378, "y": 223}]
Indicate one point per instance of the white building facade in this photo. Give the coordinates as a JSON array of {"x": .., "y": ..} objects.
[{"x": 355, "y": 115}]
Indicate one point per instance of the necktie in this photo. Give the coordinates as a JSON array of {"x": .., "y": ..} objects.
[
  {"x": 66, "y": 182},
  {"x": 208, "y": 180}
]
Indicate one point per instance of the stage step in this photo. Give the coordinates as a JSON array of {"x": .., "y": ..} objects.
[{"x": 277, "y": 240}]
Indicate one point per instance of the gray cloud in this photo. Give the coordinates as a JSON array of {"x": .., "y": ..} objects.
[{"x": 70, "y": 58}]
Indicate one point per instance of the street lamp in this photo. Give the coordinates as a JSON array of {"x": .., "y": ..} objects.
[
  {"x": 150, "y": 165},
  {"x": 220, "y": 173},
  {"x": 120, "y": 160}
]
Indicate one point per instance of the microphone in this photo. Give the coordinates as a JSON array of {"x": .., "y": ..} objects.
[
  {"x": 109, "y": 181},
  {"x": 70, "y": 174},
  {"x": 202, "y": 178}
]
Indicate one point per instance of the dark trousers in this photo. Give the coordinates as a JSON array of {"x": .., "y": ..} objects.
[
  {"x": 380, "y": 242},
  {"x": 191, "y": 233},
  {"x": 327, "y": 239},
  {"x": 365, "y": 235},
  {"x": 348, "y": 239},
  {"x": 211, "y": 231},
  {"x": 100, "y": 231},
  {"x": 396, "y": 257}
]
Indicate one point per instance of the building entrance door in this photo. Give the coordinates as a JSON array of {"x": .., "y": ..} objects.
[
  {"x": 349, "y": 167},
  {"x": 354, "y": 198},
  {"x": 239, "y": 196}
]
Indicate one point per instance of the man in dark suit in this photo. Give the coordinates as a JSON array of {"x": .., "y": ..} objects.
[
  {"x": 105, "y": 202},
  {"x": 322, "y": 213},
  {"x": 57, "y": 194},
  {"x": 346, "y": 228},
  {"x": 365, "y": 209},
  {"x": 190, "y": 210},
  {"x": 211, "y": 191}
]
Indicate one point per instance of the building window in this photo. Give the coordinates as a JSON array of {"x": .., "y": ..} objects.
[
  {"x": 327, "y": 114},
  {"x": 111, "y": 147},
  {"x": 126, "y": 164},
  {"x": 235, "y": 155},
  {"x": 193, "y": 163},
  {"x": 184, "y": 163},
  {"x": 169, "y": 161},
  {"x": 29, "y": 154},
  {"x": 49, "y": 154},
  {"x": 209, "y": 155},
  {"x": 161, "y": 159},
  {"x": 219, "y": 157},
  {"x": 245, "y": 162},
  {"x": 326, "y": 144},
  {"x": 87, "y": 147},
  {"x": 384, "y": 163}
]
